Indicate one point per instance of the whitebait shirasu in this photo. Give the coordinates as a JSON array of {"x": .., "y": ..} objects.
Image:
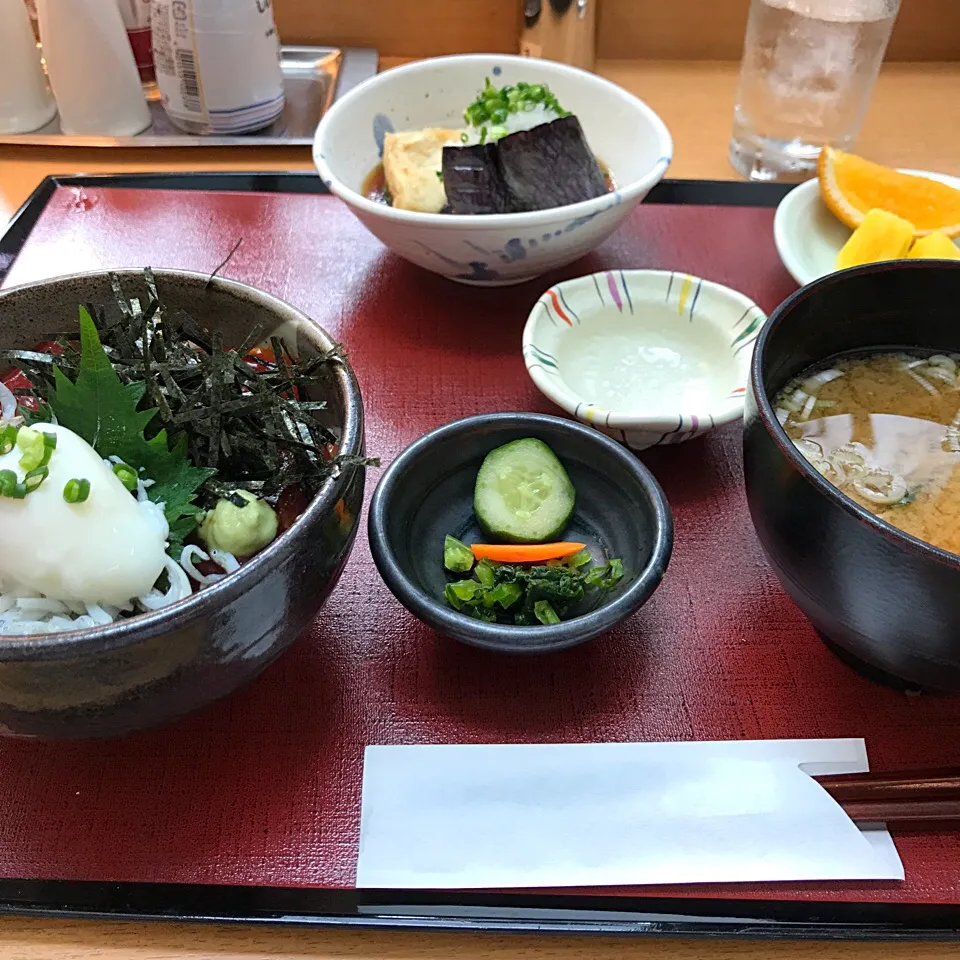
[
  {"x": 226, "y": 561},
  {"x": 178, "y": 588}
]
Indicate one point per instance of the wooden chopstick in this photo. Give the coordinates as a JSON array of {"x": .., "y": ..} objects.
[{"x": 910, "y": 799}]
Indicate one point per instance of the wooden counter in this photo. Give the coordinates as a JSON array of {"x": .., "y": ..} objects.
[
  {"x": 909, "y": 125},
  {"x": 85, "y": 940}
]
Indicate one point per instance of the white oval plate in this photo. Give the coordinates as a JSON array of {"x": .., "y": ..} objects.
[{"x": 809, "y": 237}]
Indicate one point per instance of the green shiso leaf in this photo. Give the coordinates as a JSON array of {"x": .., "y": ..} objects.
[{"x": 103, "y": 411}]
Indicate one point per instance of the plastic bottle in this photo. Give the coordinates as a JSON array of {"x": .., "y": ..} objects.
[
  {"x": 91, "y": 68},
  {"x": 218, "y": 64},
  {"x": 25, "y": 100}
]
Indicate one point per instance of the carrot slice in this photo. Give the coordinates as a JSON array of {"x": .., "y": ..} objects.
[{"x": 525, "y": 552}]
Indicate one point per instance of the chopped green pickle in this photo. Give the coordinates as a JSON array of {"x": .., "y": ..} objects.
[
  {"x": 457, "y": 556},
  {"x": 529, "y": 594},
  {"x": 545, "y": 613},
  {"x": 485, "y": 573}
]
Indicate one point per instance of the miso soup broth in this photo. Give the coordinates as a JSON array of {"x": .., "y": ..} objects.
[{"x": 885, "y": 429}]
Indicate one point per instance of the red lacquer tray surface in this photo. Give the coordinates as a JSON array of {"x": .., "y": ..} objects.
[{"x": 264, "y": 788}]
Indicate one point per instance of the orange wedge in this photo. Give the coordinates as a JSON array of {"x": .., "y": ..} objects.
[{"x": 851, "y": 187}]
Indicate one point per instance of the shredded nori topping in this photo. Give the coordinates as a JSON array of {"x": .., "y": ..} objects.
[{"x": 245, "y": 415}]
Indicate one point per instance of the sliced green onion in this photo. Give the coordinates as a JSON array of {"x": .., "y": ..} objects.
[
  {"x": 76, "y": 491},
  {"x": 32, "y": 448},
  {"x": 35, "y": 477},
  {"x": 126, "y": 475},
  {"x": 493, "y": 106},
  {"x": 49, "y": 445},
  {"x": 8, "y": 480},
  {"x": 8, "y": 439},
  {"x": 18, "y": 492}
]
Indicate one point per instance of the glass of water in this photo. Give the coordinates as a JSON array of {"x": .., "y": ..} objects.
[{"x": 808, "y": 70}]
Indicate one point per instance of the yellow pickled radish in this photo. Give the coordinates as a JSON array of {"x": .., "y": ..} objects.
[
  {"x": 881, "y": 236},
  {"x": 935, "y": 246}
]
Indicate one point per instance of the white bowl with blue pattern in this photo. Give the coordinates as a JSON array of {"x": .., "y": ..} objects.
[
  {"x": 648, "y": 357},
  {"x": 497, "y": 249}
]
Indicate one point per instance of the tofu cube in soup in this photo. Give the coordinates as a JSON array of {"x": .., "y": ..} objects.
[{"x": 412, "y": 163}]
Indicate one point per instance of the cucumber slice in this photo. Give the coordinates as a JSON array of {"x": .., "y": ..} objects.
[{"x": 523, "y": 494}]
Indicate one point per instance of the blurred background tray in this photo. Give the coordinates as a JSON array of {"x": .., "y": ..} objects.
[
  {"x": 313, "y": 77},
  {"x": 249, "y": 810}
]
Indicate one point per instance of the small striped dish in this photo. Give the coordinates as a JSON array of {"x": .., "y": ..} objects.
[{"x": 647, "y": 356}]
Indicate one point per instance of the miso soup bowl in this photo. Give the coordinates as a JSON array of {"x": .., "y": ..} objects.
[
  {"x": 498, "y": 249},
  {"x": 882, "y": 598},
  {"x": 148, "y": 669}
]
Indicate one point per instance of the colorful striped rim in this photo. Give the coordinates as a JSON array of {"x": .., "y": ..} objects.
[{"x": 690, "y": 298}]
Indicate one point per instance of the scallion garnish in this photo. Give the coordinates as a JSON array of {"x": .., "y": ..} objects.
[
  {"x": 35, "y": 477},
  {"x": 8, "y": 439},
  {"x": 76, "y": 491},
  {"x": 8, "y": 480},
  {"x": 32, "y": 448},
  {"x": 126, "y": 475},
  {"x": 492, "y": 108}
]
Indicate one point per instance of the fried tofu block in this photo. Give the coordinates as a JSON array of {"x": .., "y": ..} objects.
[{"x": 412, "y": 163}]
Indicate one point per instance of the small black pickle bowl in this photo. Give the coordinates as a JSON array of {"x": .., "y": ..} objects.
[
  {"x": 148, "y": 669},
  {"x": 879, "y": 596},
  {"x": 427, "y": 492}
]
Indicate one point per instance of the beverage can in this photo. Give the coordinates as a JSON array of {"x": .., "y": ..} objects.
[
  {"x": 218, "y": 64},
  {"x": 136, "y": 18}
]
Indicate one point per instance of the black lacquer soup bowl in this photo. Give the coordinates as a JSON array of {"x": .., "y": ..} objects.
[{"x": 880, "y": 596}]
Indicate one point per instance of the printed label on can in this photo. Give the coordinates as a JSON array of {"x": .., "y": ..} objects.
[
  {"x": 199, "y": 45},
  {"x": 175, "y": 58}
]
